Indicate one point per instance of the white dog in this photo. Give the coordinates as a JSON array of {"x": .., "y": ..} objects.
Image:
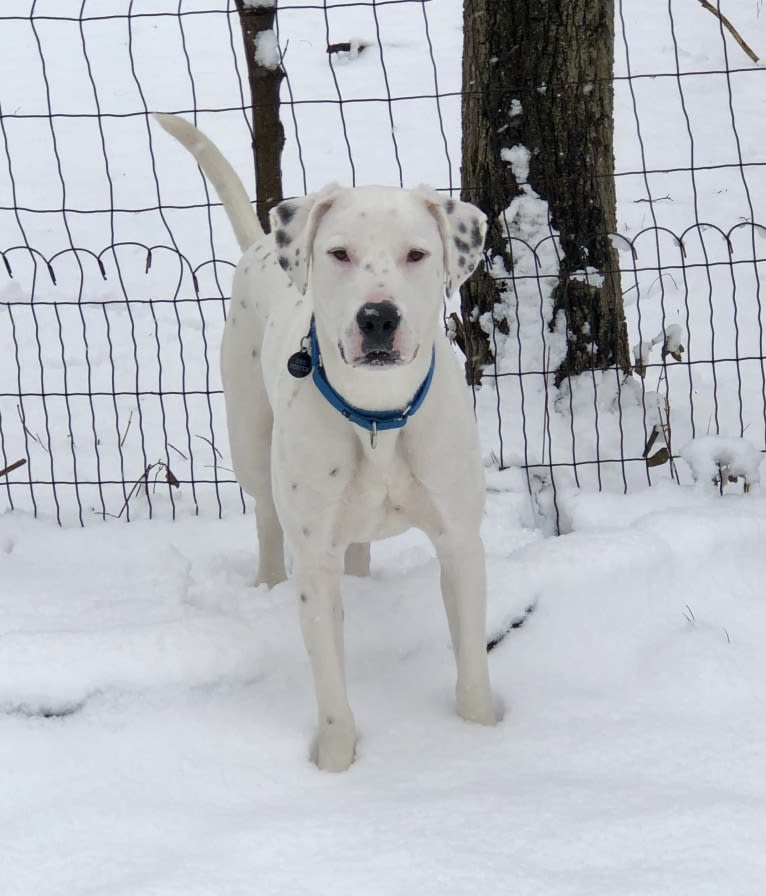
[{"x": 349, "y": 419}]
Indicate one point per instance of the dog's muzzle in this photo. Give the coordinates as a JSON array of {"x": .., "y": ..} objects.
[{"x": 378, "y": 323}]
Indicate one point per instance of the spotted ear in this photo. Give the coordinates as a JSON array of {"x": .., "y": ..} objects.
[
  {"x": 294, "y": 224},
  {"x": 462, "y": 227}
]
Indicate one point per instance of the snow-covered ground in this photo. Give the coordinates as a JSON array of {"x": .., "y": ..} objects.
[
  {"x": 157, "y": 712},
  {"x": 156, "y": 709}
]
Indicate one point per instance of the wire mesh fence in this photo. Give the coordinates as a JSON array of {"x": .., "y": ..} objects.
[{"x": 117, "y": 260}]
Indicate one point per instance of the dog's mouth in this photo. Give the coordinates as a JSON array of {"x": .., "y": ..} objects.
[
  {"x": 380, "y": 357},
  {"x": 377, "y": 357}
]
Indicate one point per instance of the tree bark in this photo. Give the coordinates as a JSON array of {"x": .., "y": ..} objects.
[
  {"x": 538, "y": 74},
  {"x": 268, "y": 133}
]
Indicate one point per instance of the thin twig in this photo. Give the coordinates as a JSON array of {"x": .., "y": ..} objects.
[
  {"x": 215, "y": 450},
  {"x": 158, "y": 466},
  {"x": 668, "y": 436},
  {"x": 177, "y": 450},
  {"x": 28, "y": 432},
  {"x": 125, "y": 434},
  {"x": 136, "y": 486},
  {"x": 729, "y": 27},
  {"x": 545, "y": 415},
  {"x": 14, "y": 466}
]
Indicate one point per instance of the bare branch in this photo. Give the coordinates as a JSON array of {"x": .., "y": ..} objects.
[
  {"x": 14, "y": 466},
  {"x": 729, "y": 27}
]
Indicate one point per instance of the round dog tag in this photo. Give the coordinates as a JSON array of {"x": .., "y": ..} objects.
[{"x": 299, "y": 364}]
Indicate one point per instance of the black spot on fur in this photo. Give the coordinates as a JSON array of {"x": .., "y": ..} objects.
[
  {"x": 303, "y": 598},
  {"x": 285, "y": 213},
  {"x": 306, "y": 531},
  {"x": 449, "y": 206},
  {"x": 294, "y": 486},
  {"x": 243, "y": 303},
  {"x": 334, "y": 471},
  {"x": 462, "y": 245},
  {"x": 254, "y": 353},
  {"x": 284, "y": 263},
  {"x": 476, "y": 239},
  {"x": 462, "y": 228},
  {"x": 368, "y": 267},
  {"x": 461, "y": 261},
  {"x": 330, "y": 720}
]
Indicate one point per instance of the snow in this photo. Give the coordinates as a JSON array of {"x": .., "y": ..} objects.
[
  {"x": 267, "y": 49},
  {"x": 174, "y": 757},
  {"x": 712, "y": 458},
  {"x": 589, "y": 275},
  {"x": 518, "y": 157},
  {"x": 670, "y": 340},
  {"x": 156, "y": 709}
]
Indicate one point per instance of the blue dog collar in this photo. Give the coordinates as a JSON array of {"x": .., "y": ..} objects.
[{"x": 372, "y": 421}]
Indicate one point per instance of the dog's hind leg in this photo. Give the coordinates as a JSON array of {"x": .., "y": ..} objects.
[
  {"x": 250, "y": 422},
  {"x": 358, "y": 559},
  {"x": 271, "y": 556},
  {"x": 250, "y": 439}
]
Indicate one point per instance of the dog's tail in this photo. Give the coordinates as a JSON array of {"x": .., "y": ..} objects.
[{"x": 221, "y": 175}]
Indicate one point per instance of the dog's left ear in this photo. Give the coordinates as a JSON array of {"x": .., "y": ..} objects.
[
  {"x": 462, "y": 227},
  {"x": 294, "y": 224}
]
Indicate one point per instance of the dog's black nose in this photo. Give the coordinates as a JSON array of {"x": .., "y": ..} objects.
[{"x": 377, "y": 322}]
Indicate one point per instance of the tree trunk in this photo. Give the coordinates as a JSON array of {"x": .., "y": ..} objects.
[
  {"x": 265, "y": 81},
  {"x": 537, "y": 77}
]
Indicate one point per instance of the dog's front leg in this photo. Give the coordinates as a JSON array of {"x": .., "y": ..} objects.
[
  {"x": 322, "y": 624},
  {"x": 463, "y": 583}
]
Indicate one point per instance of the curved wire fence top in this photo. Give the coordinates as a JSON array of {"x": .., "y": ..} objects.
[{"x": 117, "y": 259}]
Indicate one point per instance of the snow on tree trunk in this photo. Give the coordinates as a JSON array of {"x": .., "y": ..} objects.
[{"x": 538, "y": 159}]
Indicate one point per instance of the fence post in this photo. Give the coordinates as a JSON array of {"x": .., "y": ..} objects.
[{"x": 265, "y": 73}]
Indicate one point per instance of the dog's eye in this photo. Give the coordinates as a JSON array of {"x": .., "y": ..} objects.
[
  {"x": 415, "y": 255},
  {"x": 339, "y": 254}
]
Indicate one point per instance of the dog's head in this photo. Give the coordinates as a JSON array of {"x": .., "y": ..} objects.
[{"x": 377, "y": 261}]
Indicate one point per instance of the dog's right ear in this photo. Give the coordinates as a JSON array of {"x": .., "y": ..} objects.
[{"x": 294, "y": 224}]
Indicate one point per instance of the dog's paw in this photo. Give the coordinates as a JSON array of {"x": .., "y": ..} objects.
[
  {"x": 334, "y": 748},
  {"x": 270, "y": 576},
  {"x": 476, "y": 707}
]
